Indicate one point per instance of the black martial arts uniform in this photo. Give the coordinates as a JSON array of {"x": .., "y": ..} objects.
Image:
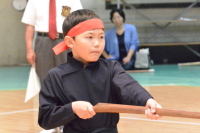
[{"x": 99, "y": 82}]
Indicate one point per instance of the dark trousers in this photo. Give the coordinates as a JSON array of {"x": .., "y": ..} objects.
[{"x": 45, "y": 57}]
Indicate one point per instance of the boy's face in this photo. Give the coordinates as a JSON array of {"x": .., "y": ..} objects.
[{"x": 88, "y": 46}]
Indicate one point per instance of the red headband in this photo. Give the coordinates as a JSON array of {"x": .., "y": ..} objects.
[{"x": 78, "y": 29}]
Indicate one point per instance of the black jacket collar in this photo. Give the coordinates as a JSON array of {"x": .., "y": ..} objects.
[{"x": 73, "y": 65}]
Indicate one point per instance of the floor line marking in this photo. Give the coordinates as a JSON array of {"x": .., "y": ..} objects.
[
  {"x": 21, "y": 111},
  {"x": 177, "y": 122},
  {"x": 169, "y": 85}
]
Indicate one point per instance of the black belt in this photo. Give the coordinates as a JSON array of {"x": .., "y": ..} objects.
[{"x": 59, "y": 35}]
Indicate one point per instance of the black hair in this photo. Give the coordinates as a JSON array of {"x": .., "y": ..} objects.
[
  {"x": 77, "y": 17},
  {"x": 121, "y": 13}
]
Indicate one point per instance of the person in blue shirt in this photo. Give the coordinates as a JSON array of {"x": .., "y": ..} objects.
[{"x": 121, "y": 41}]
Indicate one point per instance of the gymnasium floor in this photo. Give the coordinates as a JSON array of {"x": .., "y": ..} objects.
[{"x": 172, "y": 86}]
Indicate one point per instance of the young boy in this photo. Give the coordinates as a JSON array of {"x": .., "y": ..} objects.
[{"x": 70, "y": 90}]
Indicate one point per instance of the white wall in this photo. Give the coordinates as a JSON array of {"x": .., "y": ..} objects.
[{"x": 12, "y": 44}]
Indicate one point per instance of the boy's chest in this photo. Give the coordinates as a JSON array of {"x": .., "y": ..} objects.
[{"x": 87, "y": 86}]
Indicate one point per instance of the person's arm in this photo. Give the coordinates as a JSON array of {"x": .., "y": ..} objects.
[
  {"x": 52, "y": 110},
  {"x": 30, "y": 54},
  {"x": 29, "y": 18},
  {"x": 130, "y": 92},
  {"x": 106, "y": 56},
  {"x": 128, "y": 57},
  {"x": 134, "y": 38},
  {"x": 106, "y": 53},
  {"x": 134, "y": 41}
]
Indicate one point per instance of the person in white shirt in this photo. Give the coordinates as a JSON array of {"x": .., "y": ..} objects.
[{"x": 36, "y": 18}]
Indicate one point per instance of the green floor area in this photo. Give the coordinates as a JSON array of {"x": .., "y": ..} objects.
[
  {"x": 16, "y": 78},
  {"x": 170, "y": 75}
]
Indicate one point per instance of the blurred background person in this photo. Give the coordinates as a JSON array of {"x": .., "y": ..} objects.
[
  {"x": 45, "y": 19},
  {"x": 121, "y": 41},
  {"x": 36, "y": 17}
]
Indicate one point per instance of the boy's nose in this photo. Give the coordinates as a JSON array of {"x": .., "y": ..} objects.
[{"x": 96, "y": 43}]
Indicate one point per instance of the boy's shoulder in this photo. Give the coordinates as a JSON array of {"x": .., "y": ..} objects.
[
  {"x": 109, "y": 63},
  {"x": 58, "y": 69},
  {"x": 66, "y": 68}
]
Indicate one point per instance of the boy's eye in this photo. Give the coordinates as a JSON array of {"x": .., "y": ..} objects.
[
  {"x": 102, "y": 37},
  {"x": 89, "y": 37}
]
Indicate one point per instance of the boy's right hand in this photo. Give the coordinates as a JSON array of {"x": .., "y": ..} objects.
[{"x": 83, "y": 109}]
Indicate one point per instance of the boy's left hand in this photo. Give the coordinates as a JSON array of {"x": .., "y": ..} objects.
[{"x": 151, "y": 112}]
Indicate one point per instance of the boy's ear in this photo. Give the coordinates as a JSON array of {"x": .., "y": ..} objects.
[{"x": 69, "y": 41}]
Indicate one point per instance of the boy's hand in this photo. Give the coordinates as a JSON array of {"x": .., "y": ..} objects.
[
  {"x": 152, "y": 105},
  {"x": 83, "y": 109}
]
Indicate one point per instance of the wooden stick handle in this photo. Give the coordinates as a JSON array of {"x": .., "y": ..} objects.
[{"x": 118, "y": 108}]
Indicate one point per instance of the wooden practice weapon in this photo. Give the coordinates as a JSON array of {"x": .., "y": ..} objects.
[{"x": 119, "y": 108}]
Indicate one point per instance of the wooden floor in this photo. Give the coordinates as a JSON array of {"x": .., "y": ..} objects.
[{"x": 19, "y": 117}]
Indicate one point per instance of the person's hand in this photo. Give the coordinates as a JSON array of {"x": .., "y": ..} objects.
[
  {"x": 83, "y": 109},
  {"x": 109, "y": 56},
  {"x": 30, "y": 56},
  {"x": 126, "y": 60},
  {"x": 151, "y": 112}
]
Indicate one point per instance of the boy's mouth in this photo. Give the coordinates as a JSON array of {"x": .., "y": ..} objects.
[{"x": 95, "y": 51}]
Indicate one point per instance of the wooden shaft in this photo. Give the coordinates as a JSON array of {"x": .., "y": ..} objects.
[{"x": 118, "y": 108}]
